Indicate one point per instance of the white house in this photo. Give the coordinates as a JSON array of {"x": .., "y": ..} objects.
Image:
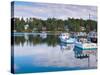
[{"x": 26, "y": 26}]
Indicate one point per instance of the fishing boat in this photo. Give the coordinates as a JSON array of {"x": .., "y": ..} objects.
[
  {"x": 92, "y": 36},
  {"x": 65, "y": 37},
  {"x": 85, "y": 45},
  {"x": 81, "y": 34}
]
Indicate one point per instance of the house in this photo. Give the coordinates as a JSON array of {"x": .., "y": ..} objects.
[
  {"x": 82, "y": 28},
  {"x": 26, "y": 26}
]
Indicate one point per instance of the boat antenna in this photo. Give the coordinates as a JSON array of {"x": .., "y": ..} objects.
[
  {"x": 89, "y": 16},
  {"x": 89, "y": 23}
]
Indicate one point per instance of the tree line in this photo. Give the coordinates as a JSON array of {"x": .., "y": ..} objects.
[{"x": 53, "y": 24}]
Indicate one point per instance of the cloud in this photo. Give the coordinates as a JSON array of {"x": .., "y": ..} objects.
[{"x": 61, "y": 11}]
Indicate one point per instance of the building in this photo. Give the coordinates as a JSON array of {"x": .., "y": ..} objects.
[{"x": 26, "y": 26}]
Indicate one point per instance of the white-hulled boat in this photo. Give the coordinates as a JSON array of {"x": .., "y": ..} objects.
[
  {"x": 65, "y": 37},
  {"x": 85, "y": 45}
]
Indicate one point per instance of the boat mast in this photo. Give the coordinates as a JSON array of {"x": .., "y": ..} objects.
[{"x": 89, "y": 23}]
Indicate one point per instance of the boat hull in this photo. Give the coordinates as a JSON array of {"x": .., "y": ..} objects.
[
  {"x": 86, "y": 46},
  {"x": 69, "y": 41}
]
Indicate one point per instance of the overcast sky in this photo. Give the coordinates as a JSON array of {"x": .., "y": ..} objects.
[{"x": 60, "y": 11}]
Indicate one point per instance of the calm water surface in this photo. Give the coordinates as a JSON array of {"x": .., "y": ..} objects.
[{"x": 37, "y": 53}]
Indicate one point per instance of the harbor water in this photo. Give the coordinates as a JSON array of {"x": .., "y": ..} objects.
[{"x": 41, "y": 53}]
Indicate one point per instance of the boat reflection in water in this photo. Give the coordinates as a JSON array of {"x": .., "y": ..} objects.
[
  {"x": 66, "y": 46},
  {"x": 86, "y": 54}
]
